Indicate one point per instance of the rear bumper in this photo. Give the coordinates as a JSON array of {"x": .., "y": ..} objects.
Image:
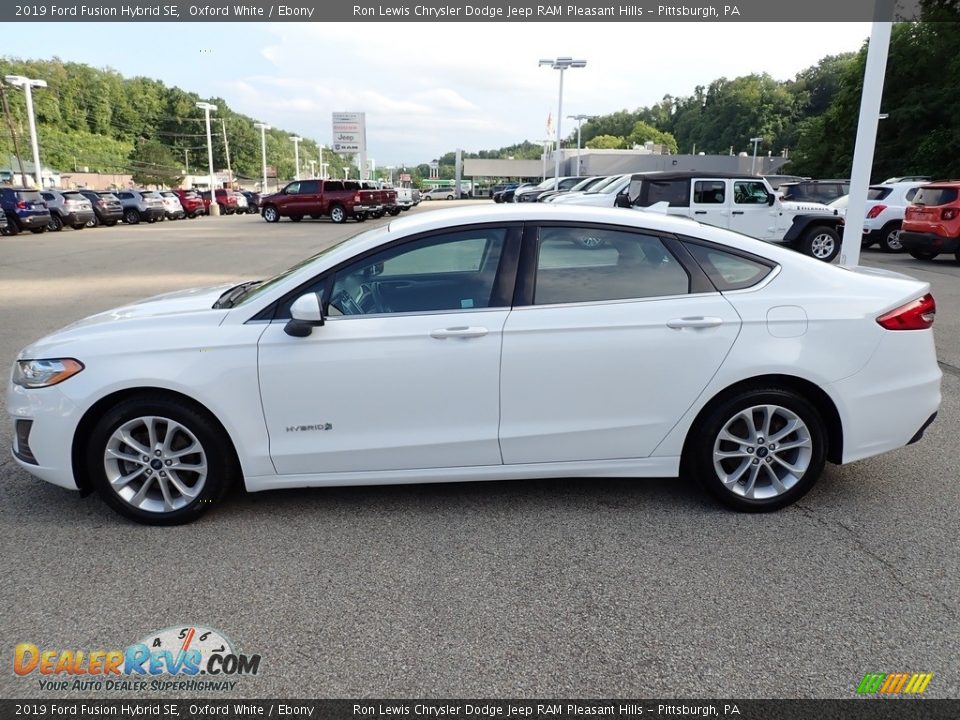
[
  {"x": 369, "y": 209},
  {"x": 882, "y": 406},
  {"x": 152, "y": 213},
  {"x": 78, "y": 218},
  {"x": 928, "y": 241},
  {"x": 110, "y": 214},
  {"x": 33, "y": 221}
]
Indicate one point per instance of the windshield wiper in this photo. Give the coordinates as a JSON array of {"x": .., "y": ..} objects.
[{"x": 230, "y": 297}]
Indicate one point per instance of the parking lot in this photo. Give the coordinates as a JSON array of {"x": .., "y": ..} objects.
[{"x": 559, "y": 588}]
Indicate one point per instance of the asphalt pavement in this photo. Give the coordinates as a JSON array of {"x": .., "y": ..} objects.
[{"x": 559, "y": 588}]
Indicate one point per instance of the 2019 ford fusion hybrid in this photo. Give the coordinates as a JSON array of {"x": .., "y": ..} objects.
[{"x": 522, "y": 341}]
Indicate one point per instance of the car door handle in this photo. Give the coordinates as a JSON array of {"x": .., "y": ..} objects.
[
  {"x": 458, "y": 332},
  {"x": 699, "y": 212},
  {"x": 738, "y": 212},
  {"x": 694, "y": 322}
]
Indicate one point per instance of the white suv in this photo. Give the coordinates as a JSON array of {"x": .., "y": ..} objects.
[{"x": 886, "y": 205}]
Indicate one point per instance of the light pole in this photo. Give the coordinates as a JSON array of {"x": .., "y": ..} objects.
[
  {"x": 753, "y": 165},
  {"x": 561, "y": 64},
  {"x": 346, "y": 173},
  {"x": 296, "y": 154},
  {"x": 263, "y": 127},
  {"x": 214, "y": 207},
  {"x": 313, "y": 168},
  {"x": 323, "y": 174},
  {"x": 27, "y": 84},
  {"x": 579, "y": 119},
  {"x": 390, "y": 170},
  {"x": 323, "y": 170}
]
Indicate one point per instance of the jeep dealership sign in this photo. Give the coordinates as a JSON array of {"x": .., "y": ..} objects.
[{"x": 349, "y": 133}]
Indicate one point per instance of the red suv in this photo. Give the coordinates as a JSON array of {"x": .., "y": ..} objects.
[
  {"x": 192, "y": 203},
  {"x": 931, "y": 224}
]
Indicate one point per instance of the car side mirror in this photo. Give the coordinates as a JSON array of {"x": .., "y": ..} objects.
[
  {"x": 622, "y": 200},
  {"x": 771, "y": 199},
  {"x": 305, "y": 315}
]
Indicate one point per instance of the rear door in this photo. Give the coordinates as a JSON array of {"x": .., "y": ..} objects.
[
  {"x": 710, "y": 201},
  {"x": 611, "y": 341}
]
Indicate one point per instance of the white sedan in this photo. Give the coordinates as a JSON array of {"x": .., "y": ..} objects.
[{"x": 482, "y": 344}]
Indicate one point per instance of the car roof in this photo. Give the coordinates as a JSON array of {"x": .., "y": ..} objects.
[
  {"x": 942, "y": 183},
  {"x": 690, "y": 174}
]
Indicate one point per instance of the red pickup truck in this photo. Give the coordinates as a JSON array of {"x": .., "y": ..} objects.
[
  {"x": 340, "y": 199},
  {"x": 386, "y": 197}
]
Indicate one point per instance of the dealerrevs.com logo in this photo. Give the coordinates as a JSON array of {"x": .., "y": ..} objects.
[{"x": 189, "y": 657}]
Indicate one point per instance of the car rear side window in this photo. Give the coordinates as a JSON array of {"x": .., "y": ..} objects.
[
  {"x": 935, "y": 196},
  {"x": 30, "y": 197},
  {"x": 583, "y": 264},
  {"x": 674, "y": 192},
  {"x": 333, "y": 186},
  {"x": 878, "y": 193},
  {"x": 709, "y": 192},
  {"x": 728, "y": 271}
]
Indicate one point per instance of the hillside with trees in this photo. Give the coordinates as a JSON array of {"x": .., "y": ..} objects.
[{"x": 98, "y": 119}]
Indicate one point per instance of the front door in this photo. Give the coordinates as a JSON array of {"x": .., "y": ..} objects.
[
  {"x": 751, "y": 213},
  {"x": 405, "y": 372}
]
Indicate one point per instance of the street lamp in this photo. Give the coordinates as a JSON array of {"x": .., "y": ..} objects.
[
  {"x": 296, "y": 154},
  {"x": 390, "y": 170},
  {"x": 561, "y": 64},
  {"x": 753, "y": 165},
  {"x": 214, "y": 208},
  {"x": 27, "y": 84},
  {"x": 579, "y": 119},
  {"x": 320, "y": 149},
  {"x": 323, "y": 170},
  {"x": 263, "y": 127}
]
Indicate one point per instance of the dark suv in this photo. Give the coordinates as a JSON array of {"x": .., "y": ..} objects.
[
  {"x": 107, "y": 209},
  {"x": 25, "y": 210},
  {"x": 821, "y": 191}
]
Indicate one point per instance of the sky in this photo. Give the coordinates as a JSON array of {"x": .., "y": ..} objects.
[{"x": 429, "y": 88}]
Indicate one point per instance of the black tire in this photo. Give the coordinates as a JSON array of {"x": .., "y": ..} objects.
[
  {"x": 270, "y": 214},
  {"x": 394, "y": 211},
  {"x": 704, "y": 440},
  {"x": 377, "y": 215},
  {"x": 338, "y": 214},
  {"x": 95, "y": 222},
  {"x": 13, "y": 228},
  {"x": 55, "y": 224},
  {"x": 79, "y": 226},
  {"x": 821, "y": 242},
  {"x": 39, "y": 230},
  {"x": 109, "y": 223},
  {"x": 296, "y": 218},
  {"x": 890, "y": 238},
  {"x": 219, "y": 457},
  {"x": 131, "y": 217},
  {"x": 923, "y": 254},
  {"x": 223, "y": 209},
  {"x": 360, "y": 217},
  {"x": 316, "y": 217}
]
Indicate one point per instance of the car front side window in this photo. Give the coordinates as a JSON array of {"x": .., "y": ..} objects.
[{"x": 450, "y": 272}]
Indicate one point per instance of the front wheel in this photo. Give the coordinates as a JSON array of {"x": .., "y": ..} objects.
[
  {"x": 271, "y": 214},
  {"x": 923, "y": 254},
  {"x": 759, "y": 450},
  {"x": 338, "y": 214},
  {"x": 890, "y": 238},
  {"x": 822, "y": 243},
  {"x": 159, "y": 462}
]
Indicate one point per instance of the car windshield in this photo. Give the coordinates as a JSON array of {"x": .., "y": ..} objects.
[
  {"x": 612, "y": 187},
  {"x": 29, "y": 197},
  {"x": 257, "y": 290}
]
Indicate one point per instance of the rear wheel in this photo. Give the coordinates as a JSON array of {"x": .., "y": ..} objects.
[
  {"x": 159, "y": 462},
  {"x": 271, "y": 214},
  {"x": 759, "y": 450},
  {"x": 394, "y": 211},
  {"x": 296, "y": 218},
  {"x": 822, "y": 243},
  {"x": 109, "y": 223},
  {"x": 39, "y": 230},
  {"x": 923, "y": 254},
  {"x": 338, "y": 214},
  {"x": 890, "y": 238},
  {"x": 55, "y": 224},
  {"x": 131, "y": 217},
  {"x": 95, "y": 222},
  {"x": 360, "y": 217}
]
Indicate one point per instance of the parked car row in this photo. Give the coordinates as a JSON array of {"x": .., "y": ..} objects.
[{"x": 49, "y": 209}]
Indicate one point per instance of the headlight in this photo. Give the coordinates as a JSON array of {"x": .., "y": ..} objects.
[{"x": 44, "y": 373}]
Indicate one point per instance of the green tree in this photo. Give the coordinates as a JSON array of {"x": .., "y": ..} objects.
[
  {"x": 644, "y": 132},
  {"x": 605, "y": 142},
  {"x": 154, "y": 164}
]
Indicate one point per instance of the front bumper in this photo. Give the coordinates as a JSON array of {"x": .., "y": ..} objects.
[
  {"x": 55, "y": 419},
  {"x": 929, "y": 242}
]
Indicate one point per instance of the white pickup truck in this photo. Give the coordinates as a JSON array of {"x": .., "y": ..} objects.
[
  {"x": 743, "y": 203},
  {"x": 407, "y": 197}
]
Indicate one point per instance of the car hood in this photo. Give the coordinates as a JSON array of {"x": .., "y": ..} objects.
[{"x": 194, "y": 306}]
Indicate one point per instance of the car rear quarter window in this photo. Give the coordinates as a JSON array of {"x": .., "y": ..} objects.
[
  {"x": 333, "y": 186},
  {"x": 583, "y": 264},
  {"x": 878, "y": 193},
  {"x": 709, "y": 192},
  {"x": 935, "y": 196},
  {"x": 674, "y": 192},
  {"x": 29, "y": 197},
  {"x": 729, "y": 271}
]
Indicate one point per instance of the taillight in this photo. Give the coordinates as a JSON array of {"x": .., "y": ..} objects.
[
  {"x": 915, "y": 315},
  {"x": 875, "y": 210},
  {"x": 949, "y": 213},
  {"x": 21, "y": 205},
  {"x": 101, "y": 203},
  {"x": 356, "y": 199}
]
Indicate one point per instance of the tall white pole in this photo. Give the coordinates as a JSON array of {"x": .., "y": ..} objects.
[
  {"x": 296, "y": 154},
  {"x": 214, "y": 207},
  {"x": 27, "y": 84},
  {"x": 323, "y": 175},
  {"x": 873, "y": 76},
  {"x": 753, "y": 164},
  {"x": 556, "y": 152},
  {"x": 263, "y": 151}
]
